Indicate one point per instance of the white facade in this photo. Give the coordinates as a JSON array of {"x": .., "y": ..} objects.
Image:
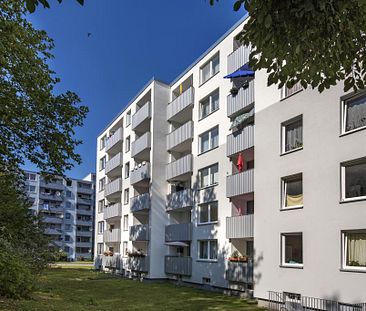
[{"x": 192, "y": 217}]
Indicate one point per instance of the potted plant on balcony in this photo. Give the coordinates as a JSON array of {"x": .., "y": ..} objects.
[
  {"x": 234, "y": 91},
  {"x": 234, "y": 256}
]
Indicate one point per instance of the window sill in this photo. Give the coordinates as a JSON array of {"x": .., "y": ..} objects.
[
  {"x": 291, "y": 208},
  {"x": 206, "y": 116},
  {"x": 209, "y": 78},
  {"x": 292, "y": 266},
  {"x": 362, "y": 128},
  {"x": 208, "y": 223},
  {"x": 352, "y": 269},
  {"x": 207, "y": 260},
  {"x": 291, "y": 151},
  {"x": 206, "y": 187},
  {"x": 349, "y": 200},
  {"x": 207, "y": 151}
]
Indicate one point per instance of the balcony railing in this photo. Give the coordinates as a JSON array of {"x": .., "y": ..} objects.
[
  {"x": 84, "y": 233},
  {"x": 141, "y": 115},
  {"x": 83, "y": 211},
  {"x": 237, "y": 59},
  {"x": 178, "y": 232},
  {"x": 140, "y": 203},
  {"x": 238, "y": 227},
  {"x": 51, "y": 197},
  {"x": 240, "y": 141},
  {"x": 139, "y": 233},
  {"x": 85, "y": 190},
  {"x": 111, "y": 211},
  {"x": 178, "y": 265},
  {"x": 113, "y": 187},
  {"x": 112, "y": 141},
  {"x": 111, "y": 262},
  {"x": 84, "y": 244},
  {"x": 141, "y": 144},
  {"x": 241, "y": 272},
  {"x": 179, "y": 200},
  {"x": 244, "y": 98},
  {"x": 114, "y": 163},
  {"x": 52, "y": 185},
  {"x": 84, "y": 222},
  {"x": 180, "y": 135},
  {"x": 111, "y": 236},
  {"x": 140, "y": 173},
  {"x": 240, "y": 183},
  {"x": 179, "y": 167},
  {"x": 139, "y": 264},
  {"x": 52, "y": 231},
  {"x": 183, "y": 101},
  {"x": 85, "y": 201},
  {"x": 52, "y": 220}
]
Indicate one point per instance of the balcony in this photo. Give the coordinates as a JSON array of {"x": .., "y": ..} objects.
[
  {"x": 180, "y": 200},
  {"x": 82, "y": 211},
  {"x": 111, "y": 262},
  {"x": 138, "y": 264},
  {"x": 112, "y": 236},
  {"x": 140, "y": 148},
  {"x": 241, "y": 101},
  {"x": 112, "y": 211},
  {"x": 113, "y": 187},
  {"x": 237, "y": 59},
  {"x": 51, "y": 197},
  {"x": 114, "y": 165},
  {"x": 139, "y": 233},
  {"x": 85, "y": 190},
  {"x": 179, "y": 105},
  {"x": 55, "y": 185},
  {"x": 140, "y": 203},
  {"x": 178, "y": 265},
  {"x": 84, "y": 201},
  {"x": 84, "y": 222},
  {"x": 180, "y": 139},
  {"x": 241, "y": 272},
  {"x": 114, "y": 142},
  {"x": 141, "y": 115},
  {"x": 180, "y": 169},
  {"x": 240, "y": 141},
  {"x": 240, "y": 227},
  {"x": 52, "y": 220},
  {"x": 140, "y": 173},
  {"x": 84, "y": 233},
  {"x": 51, "y": 231},
  {"x": 178, "y": 232},
  {"x": 240, "y": 183},
  {"x": 84, "y": 244}
]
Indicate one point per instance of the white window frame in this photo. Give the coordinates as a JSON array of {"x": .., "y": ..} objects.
[
  {"x": 102, "y": 163},
  {"x": 28, "y": 176},
  {"x": 209, "y": 132},
  {"x": 211, "y": 176},
  {"x": 101, "y": 205},
  {"x": 208, "y": 250},
  {"x": 126, "y": 196},
  {"x": 100, "y": 227},
  {"x": 128, "y": 144},
  {"x": 283, "y": 134},
  {"x": 343, "y": 180},
  {"x": 344, "y": 103},
  {"x": 128, "y": 118},
  {"x": 100, "y": 248},
  {"x": 284, "y": 182},
  {"x": 297, "y": 86},
  {"x": 124, "y": 248},
  {"x": 103, "y": 141},
  {"x": 125, "y": 222},
  {"x": 283, "y": 250},
  {"x": 344, "y": 245},
  {"x": 210, "y": 103},
  {"x": 209, "y": 205},
  {"x": 127, "y": 170},
  {"x": 210, "y": 64},
  {"x": 101, "y": 184}
]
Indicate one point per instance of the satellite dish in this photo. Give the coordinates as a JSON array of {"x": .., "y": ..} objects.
[{"x": 58, "y": 193}]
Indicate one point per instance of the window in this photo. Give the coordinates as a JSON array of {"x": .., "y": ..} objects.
[
  {"x": 209, "y": 69},
  {"x": 288, "y": 91},
  {"x": 292, "y": 193},
  {"x": 127, "y": 170},
  {"x": 125, "y": 222},
  {"x": 31, "y": 188},
  {"x": 68, "y": 193},
  {"x": 354, "y": 113},
  {"x": 209, "y": 104},
  {"x": 68, "y": 216},
  {"x": 128, "y": 118},
  {"x": 102, "y": 163},
  {"x": 102, "y": 184},
  {"x": 208, "y": 213},
  {"x": 67, "y": 227},
  {"x": 354, "y": 180},
  {"x": 68, "y": 182},
  {"x": 125, "y": 249},
  {"x": 128, "y": 143},
  {"x": 30, "y": 176},
  {"x": 209, "y": 140},
  {"x": 100, "y": 249},
  {"x": 208, "y": 250},
  {"x": 100, "y": 227},
  {"x": 101, "y": 206},
  {"x": 209, "y": 176},
  {"x": 354, "y": 250},
  {"x": 292, "y": 135},
  {"x": 291, "y": 244},
  {"x": 126, "y": 196},
  {"x": 67, "y": 249},
  {"x": 67, "y": 238},
  {"x": 68, "y": 204},
  {"x": 103, "y": 140}
]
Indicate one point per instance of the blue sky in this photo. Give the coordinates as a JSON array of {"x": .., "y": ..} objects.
[{"x": 131, "y": 41}]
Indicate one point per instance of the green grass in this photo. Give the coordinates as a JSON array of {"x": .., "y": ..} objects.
[{"x": 83, "y": 289}]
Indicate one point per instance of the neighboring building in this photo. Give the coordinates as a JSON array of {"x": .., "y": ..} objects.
[
  {"x": 67, "y": 209},
  {"x": 182, "y": 193}
]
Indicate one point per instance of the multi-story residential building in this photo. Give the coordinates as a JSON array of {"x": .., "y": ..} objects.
[
  {"x": 66, "y": 206},
  {"x": 202, "y": 197}
]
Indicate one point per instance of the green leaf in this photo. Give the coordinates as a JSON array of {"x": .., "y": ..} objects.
[
  {"x": 237, "y": 5},
  {"x": 31, "y": 5},
  {"x": 268, "y": 21}
]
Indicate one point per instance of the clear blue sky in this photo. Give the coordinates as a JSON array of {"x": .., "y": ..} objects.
[{"x": 131, "y": 41}]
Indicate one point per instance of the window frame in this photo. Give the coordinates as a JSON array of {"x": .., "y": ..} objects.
[
  {"x": 208, "y": 204},
  {"x": 126, "y": 196},
  {"x": 102, "y": 163},
  {"x": 210, "y": 102},
  {"x": 212, "y": 183},
  {"x": 283, "y": 250},
  {"x": 103, "y": 142},
  {"x": 101, "y": 227},
  {"x": 343, "y": 119},
  {"x": 284, "y": 181},
  {"x": 208, "y": 241},
  {"x": 100, "y": 248},
  {"x": 344, "y": 244},
  {"x": 128, "y": 118},
  {"x": 125, "y": 249},
  {"x": 125, "y": 222},
  {"x": 128, "y": 144},
  {"x": 210, "y": 64},
  {"x": 127, "y": 170},
  {"x": 283, "y": 134},
  {"x": 209, "y": 132},
  {"x": 102, "y": 183},
  {"x": 343, "y": 198}
]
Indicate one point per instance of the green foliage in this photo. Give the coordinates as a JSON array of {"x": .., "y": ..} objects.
[
  {"x": 32, "y": 4},
  {"x": 35, "y": 123},
  {"x": 315, "y": 43}
]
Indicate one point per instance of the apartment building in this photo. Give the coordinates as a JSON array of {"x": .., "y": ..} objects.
[
  {"x": 66, "y": 206},
  {"x": 188, "y": 190}
]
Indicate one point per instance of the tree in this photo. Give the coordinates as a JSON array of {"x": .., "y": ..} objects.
[
  {"x": 32, "y": 4},
  {"x": 35, "y": 123},
  {"x": 315, "y": 43}
]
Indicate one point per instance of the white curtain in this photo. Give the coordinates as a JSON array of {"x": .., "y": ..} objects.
[{"x": 356, "y": 249}]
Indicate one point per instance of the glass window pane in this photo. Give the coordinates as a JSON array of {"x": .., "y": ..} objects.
[
  {"x": 214, "y": 137},
  {"x": 294, "y": 193},
  {"x": 213, "y": 211},
  {"x": 213, "y": 249},
  {"x": 205, "y": 73},
  {"x": 356, "y": 113},
  {"x": 293, "y": 249},
  {"x": 215, "y": 101},
  {"x": 205, "y": 177},
  {"x": 293, "y": 135},
  {"x": 203, "y": 250},
  {"x": 355, "y": 180},
  {"x": 356, "y": 249},
  {"x": 215, "y": 65},
  {"x": 215, "y": 174},
  {"x": 205, "y": 108},
  {"x": 205, "y": 142},
  {"x": 203, "y": 214}
]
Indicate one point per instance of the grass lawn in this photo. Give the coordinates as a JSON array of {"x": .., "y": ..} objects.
[{"x": 74, "y": 289}]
